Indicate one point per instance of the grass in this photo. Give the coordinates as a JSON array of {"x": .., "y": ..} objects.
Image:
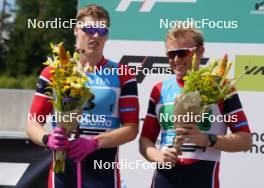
[{"x": 21, "y": 82}]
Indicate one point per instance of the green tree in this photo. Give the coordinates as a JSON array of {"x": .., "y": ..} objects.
[
  {"x": 28, "y": 47},
  {"x": 5, "y": 25}
]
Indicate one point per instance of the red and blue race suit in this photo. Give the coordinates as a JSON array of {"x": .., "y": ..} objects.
[
  {"x": 116, "y": 103},
  {"x": 195, "y": 167}
]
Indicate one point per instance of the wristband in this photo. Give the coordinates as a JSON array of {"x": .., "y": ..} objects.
[{"x": 45, "y": 139}]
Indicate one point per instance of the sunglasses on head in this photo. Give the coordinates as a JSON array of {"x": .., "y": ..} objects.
[
  {"x": 181, "y": 53},
  {"x": 102, "y": 31}
]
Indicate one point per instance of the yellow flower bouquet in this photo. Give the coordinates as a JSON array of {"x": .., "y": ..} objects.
[
  {"x": 203, "y": 88},
  {"x": 69, "y": 93}
]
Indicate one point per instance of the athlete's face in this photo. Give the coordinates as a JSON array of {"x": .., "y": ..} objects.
[
  {"x": 93, "y": 44},
  {"x": 182, "y": 62}
]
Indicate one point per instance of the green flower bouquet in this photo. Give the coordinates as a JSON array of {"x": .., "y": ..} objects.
[
  {"x": 202, "y": 88},
  {"x": 69, "y": 93}
]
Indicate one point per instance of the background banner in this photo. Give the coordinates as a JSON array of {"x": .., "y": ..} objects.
[
  {"x": 23, "y": 164},
  {"x": 252, "y": 69},
  {"x": 222, "y": 21}
]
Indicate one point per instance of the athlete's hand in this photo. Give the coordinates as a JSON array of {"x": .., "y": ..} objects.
[
  {"x": 58, "y": 139},
  {"x": 78, "y": 149},
  {"x": 192, "y": 134},
  {"x": 168, "y": 155}
]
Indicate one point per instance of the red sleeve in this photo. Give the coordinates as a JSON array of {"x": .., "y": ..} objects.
[
  {"x": 128, "y": 101},
  {"x": 233, "y": 108},
  {"x": 151, "y": 126},
  {"x": 41, "y": 105}
]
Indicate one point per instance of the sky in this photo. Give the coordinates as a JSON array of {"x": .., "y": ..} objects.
[
  {"x": 11, "y": 2},
  {"x": 12, "y": 6}
]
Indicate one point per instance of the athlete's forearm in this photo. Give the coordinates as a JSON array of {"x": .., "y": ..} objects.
[
  {"x": 148, "y": 149},
  {"x": 122, "y": 135},
  {"x": 35, "y": 132},
  {"x": 240, "y": 141}
]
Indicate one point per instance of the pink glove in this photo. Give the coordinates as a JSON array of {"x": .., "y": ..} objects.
[
  {"x": 81, "y": 147},
  {"x": 58, "y": 139}
]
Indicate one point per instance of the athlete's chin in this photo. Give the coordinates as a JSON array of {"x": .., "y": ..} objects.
[
  {"x": 92, "y": 51},
  {"x": 180, "y": 74}
]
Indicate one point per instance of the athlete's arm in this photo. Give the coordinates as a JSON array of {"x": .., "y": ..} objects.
[
  {"x": 35, "y": 132},
  {"x": 122, "y": 135},
  {"x": 240, "y": 138},
  {"x": 239, "y": 141},
  {"x": 233, "y": 142},
  {"x": 152, "y": 154},
  {"x": 41, "y": 106}
]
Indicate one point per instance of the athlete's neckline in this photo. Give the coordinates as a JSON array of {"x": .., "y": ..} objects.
[
  {"x": 180, "y": 82},
  {"x": 101, "y": 63}
]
